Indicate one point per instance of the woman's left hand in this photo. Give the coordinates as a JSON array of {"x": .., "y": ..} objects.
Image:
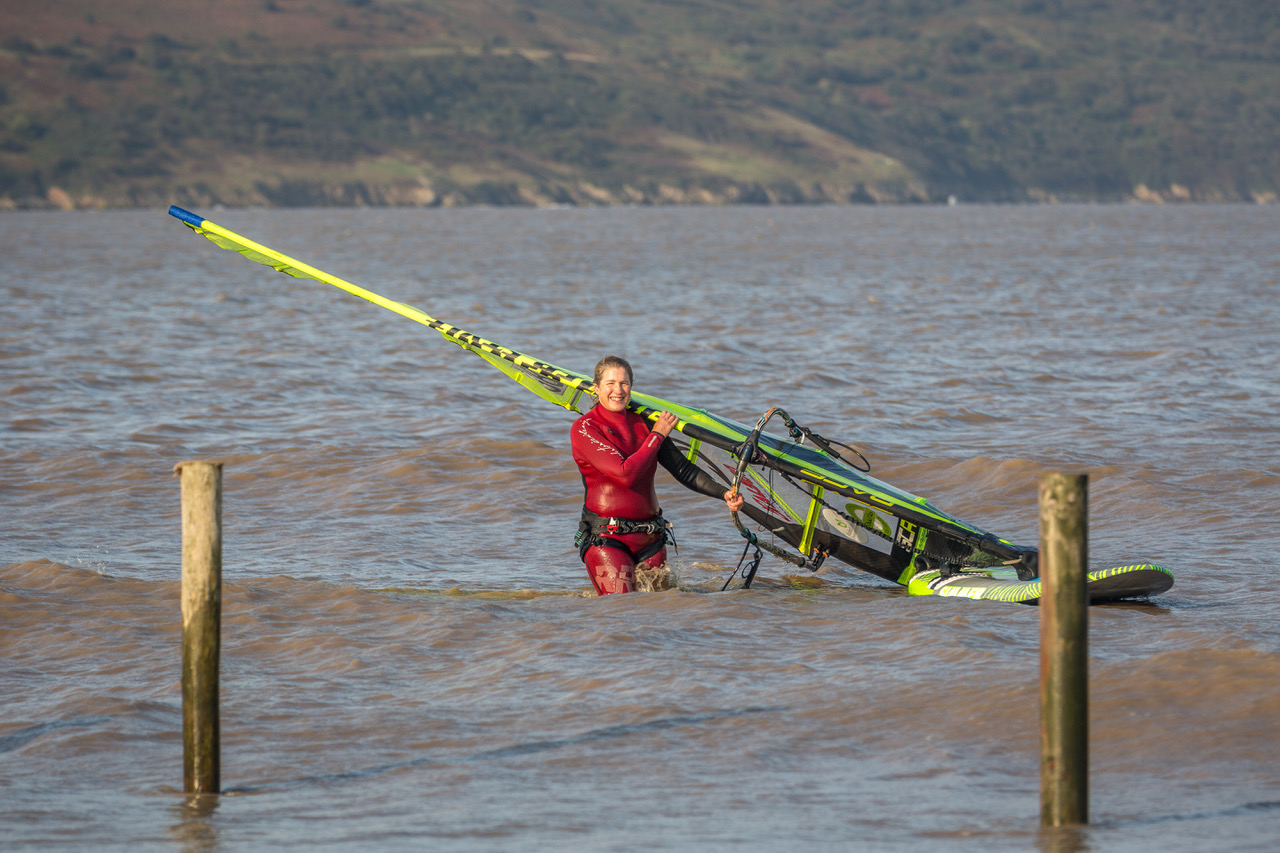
[{"x": 665, "y": 423}]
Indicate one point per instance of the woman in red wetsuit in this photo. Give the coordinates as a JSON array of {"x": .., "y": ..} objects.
[{"x": 618, "y": 454}]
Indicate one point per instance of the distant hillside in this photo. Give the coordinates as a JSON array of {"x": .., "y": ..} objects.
[{"x": 417, "y": 102}]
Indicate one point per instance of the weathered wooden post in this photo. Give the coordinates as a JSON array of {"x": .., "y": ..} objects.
[
  {"x": 1064, "y": 649},
  {"x": 201, "y": 623}
]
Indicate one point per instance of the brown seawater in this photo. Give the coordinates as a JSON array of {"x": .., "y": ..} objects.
[{"x": 409, "y": 659}]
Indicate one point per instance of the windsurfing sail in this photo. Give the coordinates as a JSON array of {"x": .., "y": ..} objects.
[{"x": 799, "y": 489}]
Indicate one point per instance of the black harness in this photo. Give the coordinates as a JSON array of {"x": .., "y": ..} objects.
[{"x": 596, "y": 530}]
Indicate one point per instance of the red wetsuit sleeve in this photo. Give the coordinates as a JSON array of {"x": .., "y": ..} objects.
[{"x": 600, "y": 451}]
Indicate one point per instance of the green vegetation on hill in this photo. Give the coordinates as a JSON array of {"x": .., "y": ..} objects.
[{"x": 143, "y": 102}]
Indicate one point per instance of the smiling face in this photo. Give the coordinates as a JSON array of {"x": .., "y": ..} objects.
[{"x": 613, "y": 389}]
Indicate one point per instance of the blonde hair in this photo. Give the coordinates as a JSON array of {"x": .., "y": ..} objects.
[{"x": 613, "y": 361}]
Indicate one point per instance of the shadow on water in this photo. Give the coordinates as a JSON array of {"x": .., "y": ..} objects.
[
  {"x": 1135, "y": 605},
  {"x": 533, "y": 747}
]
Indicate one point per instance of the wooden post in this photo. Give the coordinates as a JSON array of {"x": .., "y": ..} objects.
[
  {"x": 201, "y": 623},
  {"x": 1064, "y": 630}
]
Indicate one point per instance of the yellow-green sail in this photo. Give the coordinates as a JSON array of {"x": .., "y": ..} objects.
[{"x": 803, "y": 494}]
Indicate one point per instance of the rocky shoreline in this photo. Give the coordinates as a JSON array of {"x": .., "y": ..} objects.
[{"x": 580, "y": 194}]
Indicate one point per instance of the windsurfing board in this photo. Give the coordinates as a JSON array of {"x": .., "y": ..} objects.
[{"x": 1103, "y": 585}]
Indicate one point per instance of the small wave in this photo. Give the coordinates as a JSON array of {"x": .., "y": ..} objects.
[{"x": 21, "y": 737}]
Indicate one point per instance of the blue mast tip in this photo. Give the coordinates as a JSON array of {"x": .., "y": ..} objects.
[{"x": 186, "y": 216}]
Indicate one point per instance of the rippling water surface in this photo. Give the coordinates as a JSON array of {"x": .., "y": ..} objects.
[{"x": 409, "y": 659}]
